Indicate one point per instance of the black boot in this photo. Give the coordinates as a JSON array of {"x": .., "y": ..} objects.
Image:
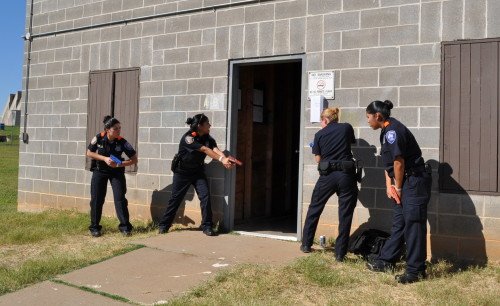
[
  {"x": 410, "y": 278},
  {"x": 379, "y": 265}
]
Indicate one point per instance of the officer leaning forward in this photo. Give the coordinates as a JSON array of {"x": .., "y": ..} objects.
[
  {"x": 189, "y": 169},
  {"x": 103, "y": 147},
  {"x": 408, "y": 183},
  {"x": 332, "y": 150}
]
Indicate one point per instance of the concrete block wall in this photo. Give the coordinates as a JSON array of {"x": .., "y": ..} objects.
[{"x": 379, "y": 49}]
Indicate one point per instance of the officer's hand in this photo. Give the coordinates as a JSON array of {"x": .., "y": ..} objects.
[
  {"x": 110, "y": 162},
  {"x": 226, "y": 163},
  {"x": 388, "y": 191},
  {"x": 394, "y": 194},
  {"x": 398, "y": 192}
]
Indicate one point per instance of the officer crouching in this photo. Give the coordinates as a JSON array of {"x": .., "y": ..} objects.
[
  {"x": 189, "y": 169},
  {"x": 332, "y": 152},
  {"x": 106, "y": 150}
]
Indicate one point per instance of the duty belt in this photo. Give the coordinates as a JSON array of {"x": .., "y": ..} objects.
[
  {"x": 326, "y": 167},
  {"x": 419, "y": 170}
]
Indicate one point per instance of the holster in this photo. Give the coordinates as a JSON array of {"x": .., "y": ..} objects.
[
  {"x": 428, "y": 168},
  {"x": 359, "y": 170},
  {"x": 422, "y": 167},
  {"x": 348, "y": 166},
  {"x": 324, "y": 168},
  {"x": 175, "y": 162}
]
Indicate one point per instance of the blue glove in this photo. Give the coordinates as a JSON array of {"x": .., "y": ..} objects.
[{"x": 116, "y": 159}]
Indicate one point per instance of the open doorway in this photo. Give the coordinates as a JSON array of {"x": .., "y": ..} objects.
[{"x": 267, "y": 118}]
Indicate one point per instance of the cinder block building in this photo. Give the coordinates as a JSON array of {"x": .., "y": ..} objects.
[
  {"x": 11, "y": 112},
  {"x": 246, "y": 64}
]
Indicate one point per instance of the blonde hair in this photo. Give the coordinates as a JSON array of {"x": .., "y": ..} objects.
[{"x": 332, "y": 114}]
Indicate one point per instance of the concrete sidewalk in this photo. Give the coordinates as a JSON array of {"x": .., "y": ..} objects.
[{"x": 167, "y": 266}]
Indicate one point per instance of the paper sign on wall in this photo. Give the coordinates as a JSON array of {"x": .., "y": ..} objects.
[{"x": 318, "y": 103}]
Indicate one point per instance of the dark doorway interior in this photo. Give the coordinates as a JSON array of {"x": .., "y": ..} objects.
[{"x": 268, "y": 140}]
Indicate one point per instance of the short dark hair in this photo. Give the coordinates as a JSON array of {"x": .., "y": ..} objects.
[
  {"x": 377, "y": 106},
  {"x": 109, "y": 122},
  {"x": 196, "y": 120}
]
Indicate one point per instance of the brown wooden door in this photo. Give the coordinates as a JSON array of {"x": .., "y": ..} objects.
[
  {"x": 243, "y": 197},
  {"x": 114, "y": 93},
  {"x": 266, "y": 186},
  {"x": 469, "y": 116},
  {"x": 126, "y": 96},
  {"x": 99, "y": 104}
]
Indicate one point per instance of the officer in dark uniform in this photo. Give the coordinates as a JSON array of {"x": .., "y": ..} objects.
[
  {"x": 104, "y": 145},
  {"x": 408, "y": 181},
  {"x": 332, "y": 150},
  {"x": 189, "y": 169}
]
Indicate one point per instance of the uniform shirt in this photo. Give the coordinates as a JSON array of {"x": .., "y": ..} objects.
[
  {"x": 333, "y": 142},
  {"x": 103, "y": 146},
  {"x": 191, "y": 142},
  {"x": 397, "y": 140}
]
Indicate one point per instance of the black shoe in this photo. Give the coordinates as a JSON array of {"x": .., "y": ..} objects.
[
  {"x": 339, "y": 258},
  {"x": 126, "y": 233},
  {"x": 209, "y": 232},
  {"x": 305, "y": 249},
  {"x": 380, "y": 266},
  {"x": 409, "y": 278},
  {"x": 95, "y": 233},
  {"x": 162, "y": 230}
]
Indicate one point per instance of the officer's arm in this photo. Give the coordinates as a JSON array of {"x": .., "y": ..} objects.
[
  {"x": 219, "y": 152},
  {"x": 399, "y": 171},
  {"x": 317, "y": 158},
  {"x": 224, "y": 160},
  {"x": 96, "y": 156},
  {"x": 132, "y": 161}
]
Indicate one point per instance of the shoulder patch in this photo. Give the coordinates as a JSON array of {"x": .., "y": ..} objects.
[
  {"x": 391, "y": 136},
  {"x": 128, "y": 146},
  {"x": 189, "y": 139},
  {"x": 94, "y": 140}
]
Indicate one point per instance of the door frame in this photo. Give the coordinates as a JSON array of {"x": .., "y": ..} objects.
[{"x": 231, "y": 131}]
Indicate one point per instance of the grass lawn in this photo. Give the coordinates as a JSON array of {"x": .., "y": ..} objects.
[
  {"x": 319, "y": 280},
  {"x": 37, "y": 247}
]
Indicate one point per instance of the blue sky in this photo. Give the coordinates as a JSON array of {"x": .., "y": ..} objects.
[{"x": 12, "y": 17}]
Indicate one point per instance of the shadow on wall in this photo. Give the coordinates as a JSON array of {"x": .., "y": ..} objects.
[
  {"x": 160, "y": 198},
  {"x": 159, "y": 202},
  {"x": 372, "y": 190},
  {"x": 455, "y": 228},
  {"x": 457, "y": 225}
]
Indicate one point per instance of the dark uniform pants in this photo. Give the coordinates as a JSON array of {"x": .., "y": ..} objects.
[
  {"x": 98, "y": 188},
  {"x": 180, "y": 186},
  {"x": 409, "y": 224},
  {"x": 344, "y": 184}
]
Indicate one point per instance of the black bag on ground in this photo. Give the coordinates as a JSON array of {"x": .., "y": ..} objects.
[{"x": 369, "y": 243}]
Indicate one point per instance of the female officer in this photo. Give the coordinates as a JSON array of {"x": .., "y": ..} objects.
[
  {"x": 194, "y": 146},
  {"x": 408, "y": 183},
  {"x": 332, "y": 152},
  {"x": 101, "y": 148}
]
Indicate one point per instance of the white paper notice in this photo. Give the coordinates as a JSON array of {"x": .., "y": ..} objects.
[{"x": 316, "y": 108}]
